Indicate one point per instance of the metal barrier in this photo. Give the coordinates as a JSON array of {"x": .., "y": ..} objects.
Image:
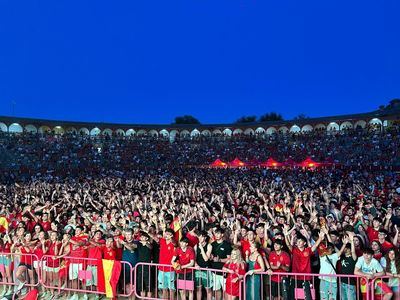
[
  {"x": 155, "y": 281},
  {"x": 81, "y": 275},
  {"x": 384, "y": 288},
  {"x": 287, "y": 286},
  {"x": 18, "y": 271}
]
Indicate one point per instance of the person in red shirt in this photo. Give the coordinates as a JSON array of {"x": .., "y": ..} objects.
[
  {"x": 235, "y": 268},
  {"x": 109, "y": 251},
  {"x": 373, "y": 231},
  {"x": 52, "y": 263},
  {"x": 166, "y": 275},
  {"x": 301, "y": 261},
  {"x": 191, "y": 234},
  {"x": 280, "y": 263},
  {"x": 385, "y": 245},
  {"x": 95, "y": 253},
  {"x": 184, "y": 258},
  {"x": 78, "y": 253},
  {"x": 24, "y": 248}
]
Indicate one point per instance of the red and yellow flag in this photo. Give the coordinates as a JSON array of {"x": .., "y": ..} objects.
[
  {"x": 3, "y": 224},
  {"x": 108, "y": 272},
  {"x": 176, "y": 226}
]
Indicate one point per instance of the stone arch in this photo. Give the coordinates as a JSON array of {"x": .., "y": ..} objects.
[
  {"x": 95, "y": 131},
  {"x": 107, "y": 131},
  {"x": 320, "y": 126},
  {"x": 58, "y": 130},
  {"x": 217, "y": 132},
  {"x": 227, "y": 132},
  {"x": 360, "y": 123},
  {"x": 295, "y": 129},
  {"x": 260, "y": 130},
  {"x": 346, "y": 125},
  {"x": 164, "y": 133},
  {"x": 375, "y": 121},
  {"x": 249, "y": 131},
  {"x": 130, "y": 132},
  {"x": 3, "y": 127},
  {"x": 15, "y": 128},
  {"x": 185, "y": 133},
  {"x": 141, "y": 132},
  {"x": 71, "y": 130},
  {"x": 120, "y": 132},
  {"x": 206, "y": 132},
  {"x": 84, "y": 131},
  {"x": 307, "y": 128},
  {"x": 44, "y": 129},
  {"x": 333, "y": 126},
  {"x": 271, "y": 130},
  {"x": 31, "y": 128},
  {"x": 237, "y": 131},
  {"x": 153, "y": 133},
  {"x": 283, "y": 129},
  {"x": 195, "y": 133}
]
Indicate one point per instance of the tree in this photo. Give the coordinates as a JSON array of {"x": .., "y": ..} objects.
[
  {"x": 246, "y": 119},
  {"x": 395, "y": 103},
  {"x": 186, "y": 119},
  {"x": 301, "y": 117},
  {"x": 272, "y": 116}
]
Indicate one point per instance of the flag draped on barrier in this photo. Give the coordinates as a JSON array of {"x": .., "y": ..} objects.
[{"x": 108, "y": 272}]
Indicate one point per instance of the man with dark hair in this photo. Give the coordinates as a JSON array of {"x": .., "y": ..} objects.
[
  {"x": 203, "y": 278},
  {"x": 301, "y": 261},
  {"x": 183, "y": 259},
  {"x": 166, "y": 274},
  {"x": 280, "y": 263},
  {"x": 221, "y": 250},
  {"x": 369, "y": 267}
]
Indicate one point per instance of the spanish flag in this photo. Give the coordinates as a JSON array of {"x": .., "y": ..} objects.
[
  {"x": 3, "y": 224},
  {"x": 176, "y": 226},
  {"x": 108, "y": 272}
]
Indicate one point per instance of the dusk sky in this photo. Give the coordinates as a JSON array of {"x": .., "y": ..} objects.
[{"x": 132, "y": 61}]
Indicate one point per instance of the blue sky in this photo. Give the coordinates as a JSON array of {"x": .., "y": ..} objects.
[{"x": 149, "y": 61}]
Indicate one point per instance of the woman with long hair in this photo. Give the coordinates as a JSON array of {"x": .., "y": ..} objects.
[
  {"x": 391, "y": 265},
  {"x": 256, "y": 265},
  {"x": 24, "y": 271},
  {"x": 235, "y": 267}
]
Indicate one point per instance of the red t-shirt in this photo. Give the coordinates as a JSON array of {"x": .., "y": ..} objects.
[
  {"x": 193, "y": 240},
  {"x": 245, "y": 246},
  {"x": 95, "y": 252},
  {"x": 51, "y": 262},
  {"x": 386, "y": 246},
  {"x": 109, "y": 253},
  {"x": 46, "y": 225},
  {"x": 284, "y": 260},
  {"x": 302, "y": 262},
  {"x": 78, "y": 252},
  {"x": 372, "y": 233},
  {"x": 167, "y": 251},
  {"x": 39, "y": 250},
  {"x": 184, "y": 257}
]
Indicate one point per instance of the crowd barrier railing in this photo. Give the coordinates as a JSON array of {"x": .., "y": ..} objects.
[
  {"x": 384, "y": 287},
  {"x": 18, "y": 271},
  {"x": 74, "y": 275},
  {"x": 288, "y": 286},
  {"x": 155, "y": 281},
  {"x": 81, "y": 276}
]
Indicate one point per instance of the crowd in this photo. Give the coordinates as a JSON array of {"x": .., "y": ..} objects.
[
  {"x": 24, "y": 156},
  {"x": 211, "y": 230}
]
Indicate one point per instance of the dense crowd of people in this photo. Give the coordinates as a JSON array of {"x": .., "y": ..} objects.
[
  {"x": 145, "y": 201},
  {"x": 27, "y": 155}
]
